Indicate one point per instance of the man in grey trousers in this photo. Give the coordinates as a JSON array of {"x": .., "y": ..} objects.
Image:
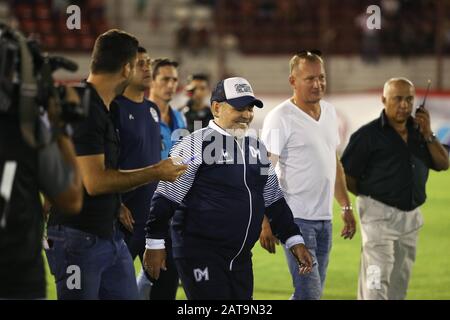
[{"x": 386, "y": 164}]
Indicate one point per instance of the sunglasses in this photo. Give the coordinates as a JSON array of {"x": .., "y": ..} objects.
[{"x": 304, "y": 53}]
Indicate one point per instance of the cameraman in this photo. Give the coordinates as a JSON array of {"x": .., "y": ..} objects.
[
  {"x": 25, "y": 171},
  {"x": 91, "y": 242}
]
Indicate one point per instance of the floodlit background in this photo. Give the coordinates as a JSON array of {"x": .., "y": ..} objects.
[{"x": 255, "y": 39}]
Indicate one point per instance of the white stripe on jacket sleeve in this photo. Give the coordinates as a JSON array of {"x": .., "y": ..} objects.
[
  {"x": 272, "y": 191},
  {"x": 189, "y": 149}
]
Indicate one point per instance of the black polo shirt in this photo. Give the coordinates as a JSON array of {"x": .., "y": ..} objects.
[
  {"x": 94, "y": 136},
  {"x": 204, "y": 115},
  {"x": 385, "y": 167}
]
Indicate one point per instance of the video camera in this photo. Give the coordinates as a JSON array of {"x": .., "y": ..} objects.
[{"x": 27, "y": 86}]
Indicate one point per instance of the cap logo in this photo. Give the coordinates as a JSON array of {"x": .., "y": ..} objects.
[{"x": 242, "y": 88}]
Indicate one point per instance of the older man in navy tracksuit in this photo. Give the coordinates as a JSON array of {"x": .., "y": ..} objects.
[{"x": 219, "y": 203}]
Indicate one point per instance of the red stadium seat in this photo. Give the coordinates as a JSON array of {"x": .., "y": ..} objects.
[
  {"x": 61, "y": 26},
  {"x": 70, "y": 42},
  {"x": 45, "y": 27},
  {"x": 42, "y": 11},
  {"x": 24, "y": 11},
  {"x": 99, "y": 26},
  {"x": 50, "y": 42},
  {"x": 87, "y": 42},
  {"x": 28, "y": 26},
  {"x": 86, "y": 28}
]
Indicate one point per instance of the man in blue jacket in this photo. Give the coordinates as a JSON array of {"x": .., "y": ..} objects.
[
  {"x": 172, "y": 127},
  {"x": 163, "y": 87},
  {"x": 219, "y": 203}
]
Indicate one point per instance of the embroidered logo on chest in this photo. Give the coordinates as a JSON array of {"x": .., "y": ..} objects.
[{"x": 154, "y": 114}]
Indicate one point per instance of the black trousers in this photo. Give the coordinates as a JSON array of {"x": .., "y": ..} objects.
[
  {"x": 210, "y": 278},
  {"x": 165, "y": 288}
]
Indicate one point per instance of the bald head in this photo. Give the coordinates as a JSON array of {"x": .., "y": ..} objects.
[
  {"x": 398, "y": 99},
  {"x": 396, "y": 82}
]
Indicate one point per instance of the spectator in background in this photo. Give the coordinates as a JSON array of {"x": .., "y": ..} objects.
[
  {"x": 196, "y": 109},
  {"x": 59, "y": 7},
  {"x": 286, "y": 11},
  {"x": 409, "y": 35},
  {"x": 141, "y": 5},
  {"x": 246, "y": 12},
  {"x": 266, "y": 10},
  {"x": 96, "y": 9},
  {"x": 200, "y": 39},
  {"x": 390, "y": 7},
  {"x": 183, "y": 36},
  {"x": 447, "y": 37},
  {"x": 390, "y": 22},
  {"x": 370, "y": 40},
  {"x": 155, "y": 15}
]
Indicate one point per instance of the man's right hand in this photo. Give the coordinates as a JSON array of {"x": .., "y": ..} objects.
[
  {"x": 154, "y": 262},
  {"x": 267, "y": 240},
  {"x": 303, "y": 257},
  {"x": 169, "y": 171},
  {"x": 126, "y": 218}
]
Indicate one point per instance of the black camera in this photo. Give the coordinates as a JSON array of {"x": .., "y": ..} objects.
[{"x": 27, "y": 85}]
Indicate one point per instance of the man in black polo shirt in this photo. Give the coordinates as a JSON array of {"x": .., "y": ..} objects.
[
  {"x": 197, "y": 112},
  {"x": 87, "y": 254},
  {"x": 386, "y": 164}
]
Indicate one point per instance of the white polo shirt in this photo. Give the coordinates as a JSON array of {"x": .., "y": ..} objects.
[{"x": 307, "y": 157}]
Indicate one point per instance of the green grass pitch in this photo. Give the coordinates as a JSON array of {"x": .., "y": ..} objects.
[{"x": 431, "y": 272}]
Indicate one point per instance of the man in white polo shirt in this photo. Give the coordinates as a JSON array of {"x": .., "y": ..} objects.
[{"x": 301, "y": 135}]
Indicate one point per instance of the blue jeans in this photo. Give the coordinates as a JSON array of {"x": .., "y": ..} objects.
[
  {"x": 318, "y": 237},
  {"x": 86, "y": 266}
]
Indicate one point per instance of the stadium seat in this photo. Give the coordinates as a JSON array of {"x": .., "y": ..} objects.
[
  {"x": 50, "y": 42},
  {"x": 87, "y": 42},
  {"x": 42, "y": 11},
  {"x": 24, "y": 11},
  {"x": 70, "y": 42},
  {"x": 45, "y": 27},
  {"x": 28, "y": 26}
]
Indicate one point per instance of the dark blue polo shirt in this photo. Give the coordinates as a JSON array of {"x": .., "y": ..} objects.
[{"x": 137, "y": 125}]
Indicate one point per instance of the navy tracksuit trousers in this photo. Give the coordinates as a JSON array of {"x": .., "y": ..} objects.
[{"x": 209, "y": 278}]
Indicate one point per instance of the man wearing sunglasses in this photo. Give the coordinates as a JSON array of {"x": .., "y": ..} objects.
[{"x": 301, "y": 135}]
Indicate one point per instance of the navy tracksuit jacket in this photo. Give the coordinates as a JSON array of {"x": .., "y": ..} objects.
[{"x": 219, "y": 203}]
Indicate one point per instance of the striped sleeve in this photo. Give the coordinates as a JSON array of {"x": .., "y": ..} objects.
[
  {"x": 189, "y": 149},
  {"x": 272, "y": 191},
  {"x": 169, "y": 195}
]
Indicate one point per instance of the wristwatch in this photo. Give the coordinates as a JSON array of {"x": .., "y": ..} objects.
[{"x": 431, "y": 138}]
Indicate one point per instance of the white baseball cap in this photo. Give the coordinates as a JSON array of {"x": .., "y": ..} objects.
[{"x": 235, "y": 91}]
